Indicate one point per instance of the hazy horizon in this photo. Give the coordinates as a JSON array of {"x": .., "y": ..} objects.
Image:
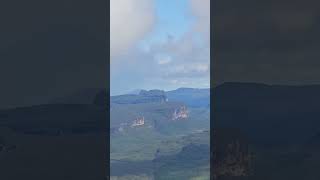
[{"x": 166, "y": 90}]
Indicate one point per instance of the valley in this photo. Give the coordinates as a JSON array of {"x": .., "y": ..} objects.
[{"x": 154, "y": 137}]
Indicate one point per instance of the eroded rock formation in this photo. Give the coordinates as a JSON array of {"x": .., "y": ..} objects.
[
  {"x": 138, "y": 122},
  {"x": 180, "y": 113}
]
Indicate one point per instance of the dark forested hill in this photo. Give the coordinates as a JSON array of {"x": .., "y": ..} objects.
[
  {"x": 269, "y": 114},
  {"x": 281, "y": 125}
]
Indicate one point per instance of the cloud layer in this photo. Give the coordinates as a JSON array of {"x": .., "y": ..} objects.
[
  {"x": 130, "y": 21},
  {"x": 201, "y": 10},
  {"x": 174, "y": 62}
]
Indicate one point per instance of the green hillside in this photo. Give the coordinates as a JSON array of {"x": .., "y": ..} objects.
[{"x": 156, "y": 139}]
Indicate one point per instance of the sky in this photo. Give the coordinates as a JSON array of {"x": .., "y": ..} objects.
[
  {"x": 159, "y": 44},
  {"x": 254, "y": 41}
]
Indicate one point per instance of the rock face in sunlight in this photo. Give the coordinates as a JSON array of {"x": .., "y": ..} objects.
[
  {"x": 180, "y": 113},
  {"x": 138, "y": 122}
]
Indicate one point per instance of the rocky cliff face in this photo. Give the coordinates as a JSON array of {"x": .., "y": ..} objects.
[
  {"x": 138, "y": 122},
  {"x": 152, "y": 96},
  {"x": 180, "y": 113}
]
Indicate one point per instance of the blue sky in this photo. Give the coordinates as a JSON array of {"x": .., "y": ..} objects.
[
  {"x": 172, "y": 19},
  {"x": 159, "y": 48}
]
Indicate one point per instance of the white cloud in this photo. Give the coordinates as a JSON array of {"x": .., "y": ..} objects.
[
  {"x": 174, "y": 81},
  {"x": 201, "y": 10},
  {"x": 162, "y": 59},
  {"x": 201, "y": 67},
  {"x": 177, "y": 62},
  {"x": 187, "y": 70},
  {"x": 130, "y": 21}
]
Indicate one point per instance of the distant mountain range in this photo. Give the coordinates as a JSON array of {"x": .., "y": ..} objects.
[
  {"x": 191, "y": 97},
  {"x": 143, "y": 97},
  {"x": 271, "y": 118},
  {"x": 267, "y": 113},
  {"x": 157, "y": 110}
]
